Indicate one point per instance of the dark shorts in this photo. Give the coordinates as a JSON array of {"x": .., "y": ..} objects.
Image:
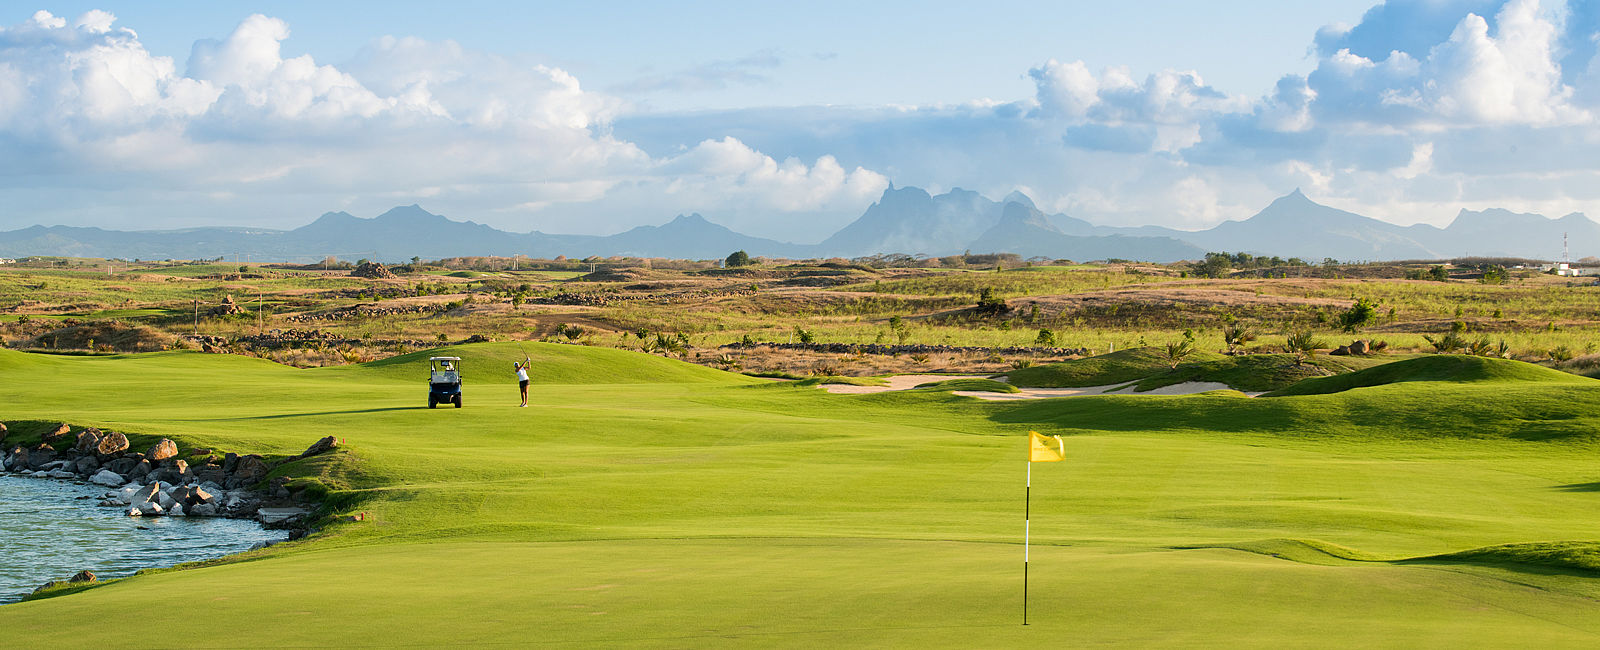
[{"x": 522, "y": 384}]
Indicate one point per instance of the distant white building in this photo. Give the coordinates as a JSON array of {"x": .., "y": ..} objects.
[
  {"x": 1565, "y": 269},
  {"x": 7, "y": 260}
]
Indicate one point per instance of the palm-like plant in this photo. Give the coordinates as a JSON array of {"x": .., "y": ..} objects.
[
  {"x": 1480, "y": 348},
  {"x": 1177, "y": 352},
  {"x": 1237, "y": 336},
  {"x": 1446, "y": 344},
  {"x": 1302, "y": 344}
]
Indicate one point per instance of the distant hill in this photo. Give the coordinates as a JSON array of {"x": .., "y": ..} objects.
[
  {"x": 1026, "y": 231},
  {"x": 909, "y": 220},
  {"x": 1496, "y": 232},
  {"x": 1294, "y": 226},
  {"x": 904, "y": 220}
]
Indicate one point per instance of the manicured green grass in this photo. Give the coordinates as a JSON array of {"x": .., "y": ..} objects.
[{"x": 642, "y": 501}]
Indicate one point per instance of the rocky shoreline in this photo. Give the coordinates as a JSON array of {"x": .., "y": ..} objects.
[{"x": 160, "y": 482}]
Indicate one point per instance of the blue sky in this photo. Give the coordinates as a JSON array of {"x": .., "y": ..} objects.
[
  {"x": 833, "y": 53},
  {"x": 787, "y": 121}
]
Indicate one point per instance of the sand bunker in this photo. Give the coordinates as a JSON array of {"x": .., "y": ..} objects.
[
  {"x": 896, "y": 382},
  {"x": 1186, "y": 388},
  {"x": 907, "y": 382}
]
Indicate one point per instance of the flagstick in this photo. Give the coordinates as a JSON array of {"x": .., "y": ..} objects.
[{"x": 1027, "y": 507}]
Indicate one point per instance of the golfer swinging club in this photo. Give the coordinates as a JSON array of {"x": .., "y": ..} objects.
[{"x": 522, "y": 379}]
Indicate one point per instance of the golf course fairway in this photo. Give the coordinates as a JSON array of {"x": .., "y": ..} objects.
[{"x": 644, "y": 501}]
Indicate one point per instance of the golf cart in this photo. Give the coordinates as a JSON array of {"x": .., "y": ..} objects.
[{"x": 444, "y": 381}]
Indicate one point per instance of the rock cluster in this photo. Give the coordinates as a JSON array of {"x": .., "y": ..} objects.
[
  {"x": 158, "y": 481},
  {"x": 1361, "y": 347},
  {"x": 374, "y": 270},
  {"x": 227, "y": 308},
  {"x": 366, "y": 311}
]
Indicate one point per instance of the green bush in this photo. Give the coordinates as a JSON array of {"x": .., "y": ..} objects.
[
  {"x": 989, "y": 304},
  {"x": 1359, "y": 315}
]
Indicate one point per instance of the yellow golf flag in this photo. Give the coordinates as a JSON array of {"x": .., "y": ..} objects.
[{"x": 1043, "y": 449}]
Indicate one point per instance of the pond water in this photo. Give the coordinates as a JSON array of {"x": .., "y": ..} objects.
[{"x": 48, "y": 533}]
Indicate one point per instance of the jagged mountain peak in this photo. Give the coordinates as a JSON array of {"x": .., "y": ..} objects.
[
  {"x": 1018, "y": 214},
  {"x": 1016, "y": 196}
]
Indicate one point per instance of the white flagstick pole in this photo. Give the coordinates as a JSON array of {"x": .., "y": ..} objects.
[{"x": 1027, "y": 506}]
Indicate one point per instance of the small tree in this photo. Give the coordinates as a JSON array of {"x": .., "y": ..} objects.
[
  {"x": 738, "y": 258},
  {"x": 1045, "y": 338},
  {"x": 1495, "y": 274},
  {"x": 989, "y": 304},
  {"x": 1438, "y": 273},
  {"x": 1359, "y": 315},
  {"x": 1215, "y": 266}
]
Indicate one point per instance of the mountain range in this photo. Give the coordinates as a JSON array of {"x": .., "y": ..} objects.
[{"x": 904, "y": 220}]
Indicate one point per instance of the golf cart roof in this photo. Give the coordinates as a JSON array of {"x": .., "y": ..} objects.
[{"x": 444, "y": 358}]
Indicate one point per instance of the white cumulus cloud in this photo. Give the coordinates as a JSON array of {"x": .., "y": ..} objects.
[{"x": 243, "y": 127}]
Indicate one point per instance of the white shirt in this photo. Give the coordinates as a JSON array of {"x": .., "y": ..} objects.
[{"x": 522, "y": 374}]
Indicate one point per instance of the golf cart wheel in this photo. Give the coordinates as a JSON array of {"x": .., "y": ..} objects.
[
  {"x": 458, "y": 401},
  {"x": 432, "y": 404}
]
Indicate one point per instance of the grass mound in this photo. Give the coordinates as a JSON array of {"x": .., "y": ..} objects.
[
  {"x": 615, "y": 275},
  {"x": 1304, "y": 551},
  {"x": 117, "y": 336},
  {"x": 552, "y": 363},
  {"x": 1114, "y": 368},
  {"x": 1255, "y": 372},
  {"x": 1441, "y": 368},
  {"x": 1581, "y": 556},
  {"x": 836, "y": 379},
  {"x": 986, "y": 385}
]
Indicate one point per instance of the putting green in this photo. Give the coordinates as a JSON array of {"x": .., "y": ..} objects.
[{"x": 648, "y": 501}]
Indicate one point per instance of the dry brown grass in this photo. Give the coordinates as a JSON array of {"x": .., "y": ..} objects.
[{"x": 805, "y": 362}]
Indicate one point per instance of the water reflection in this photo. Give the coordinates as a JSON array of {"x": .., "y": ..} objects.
[{"x": 51, "y": 529}]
